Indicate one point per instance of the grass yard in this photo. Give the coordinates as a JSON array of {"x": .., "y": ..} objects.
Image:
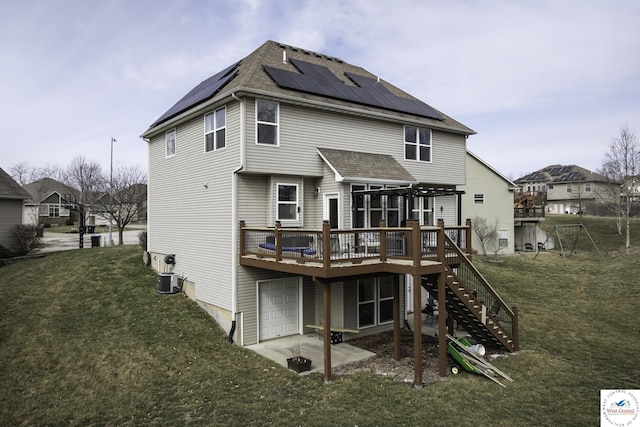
[{"x": 85, "y": 340}]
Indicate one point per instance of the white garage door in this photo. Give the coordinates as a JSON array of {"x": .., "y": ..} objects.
[{"x": 278, "y": 308}]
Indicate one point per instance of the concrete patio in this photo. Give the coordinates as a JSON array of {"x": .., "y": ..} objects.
[{"x": 312, "y": 347}]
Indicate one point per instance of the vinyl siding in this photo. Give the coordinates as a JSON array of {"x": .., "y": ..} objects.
[
  {"x": 303, "y": 130},
  {"x": 188, "y": 219},
  {"x": 498, "y": 201},
  {"x": 10, "y": 216}
]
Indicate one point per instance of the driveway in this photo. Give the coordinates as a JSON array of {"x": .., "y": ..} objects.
[{"x": 65, "y": 241}]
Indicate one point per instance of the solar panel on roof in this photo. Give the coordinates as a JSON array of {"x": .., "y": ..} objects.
[
  {"x": 203, "y": 91},
  {"x": 319, "y": 80}
]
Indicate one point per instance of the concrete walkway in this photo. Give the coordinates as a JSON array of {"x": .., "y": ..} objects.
[{"x": 66, "y": 241}]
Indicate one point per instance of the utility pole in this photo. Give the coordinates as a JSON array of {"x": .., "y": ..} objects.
[{"x": 111, "y": 195}]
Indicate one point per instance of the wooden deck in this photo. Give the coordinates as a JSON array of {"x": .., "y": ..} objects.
[{"x": 330, "y": 253}]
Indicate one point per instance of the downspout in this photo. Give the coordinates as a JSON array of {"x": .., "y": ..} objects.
[{"x": 235, "y": 221}]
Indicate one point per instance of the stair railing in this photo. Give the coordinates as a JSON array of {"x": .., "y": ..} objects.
[{"x": 493, "y": 307}]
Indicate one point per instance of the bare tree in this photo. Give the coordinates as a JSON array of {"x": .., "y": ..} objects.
[
  {"x": 87, "y": 177},
  {"x": 125, "y": 199},
  {"x": 487, "y": 234},
  {"x": 22, "y": 173},
  {"x": 621, "y": 165}
]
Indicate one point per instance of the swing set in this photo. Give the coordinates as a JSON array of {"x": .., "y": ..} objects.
[{"x": 566, "y": 229}]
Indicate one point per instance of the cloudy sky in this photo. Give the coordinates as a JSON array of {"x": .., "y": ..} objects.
[{"x": 541, "y": 81}]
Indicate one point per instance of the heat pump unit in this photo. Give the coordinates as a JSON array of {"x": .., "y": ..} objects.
[{"x": 167, "y": 283}]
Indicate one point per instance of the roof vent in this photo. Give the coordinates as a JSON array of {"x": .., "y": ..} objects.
[{"x": 284, "y": 56}]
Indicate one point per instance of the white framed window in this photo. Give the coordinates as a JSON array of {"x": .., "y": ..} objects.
[
  {"x": 54, "y": 211},
  {"x": 267, "y": 118},
  {"x": 423, "y": 209},
  {"x": 478, "y": 199},
  {"x": 375, "y": 301},
  {"x": 366, "y": 302},
  {"x": 587, "y": 187},
  {"x": 170, "y": 143},
  {"x": 569, "y": 188},
  {"x": 385, "y": 300},
  {"x": 417, "y": 144},
  {"x": 287, "y": 202},
  {"x": 503, "y": 238},
  {"x": 368, "y": 210},
  {"x": 215, "y": 130}
]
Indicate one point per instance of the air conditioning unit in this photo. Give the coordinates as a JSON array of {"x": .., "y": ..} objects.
[{"x": 168, "y": 283}]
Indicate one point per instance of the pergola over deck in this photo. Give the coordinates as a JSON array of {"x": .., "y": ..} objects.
[{"x": 412, "y": 192}]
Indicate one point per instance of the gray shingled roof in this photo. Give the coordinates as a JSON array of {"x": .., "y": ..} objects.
[
  {"x": 560, "y": 174},
  {"x": 43, "y": 188},
  {"x": 249, "y": 75},
  {"x": 9, "y": 189},
  {"x": 365, "y": 166}
]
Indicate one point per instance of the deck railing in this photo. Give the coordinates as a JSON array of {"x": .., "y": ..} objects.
[
  {"x": 328, "y": 245},
  {"x": 529, "y": 212}
]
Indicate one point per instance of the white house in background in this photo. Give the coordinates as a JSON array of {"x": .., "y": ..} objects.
[{"x": 489, "y": 195}]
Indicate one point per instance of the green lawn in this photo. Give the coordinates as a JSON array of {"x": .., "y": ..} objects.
[{"x": 85, "y": 340}]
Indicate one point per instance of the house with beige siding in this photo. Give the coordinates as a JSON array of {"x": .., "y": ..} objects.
[
  {"x": 567, "y": 189},
  {"x": 297, "y": 193},
  {"x": 489, "y": 195}
]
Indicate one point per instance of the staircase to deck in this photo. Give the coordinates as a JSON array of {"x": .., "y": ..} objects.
[{"x": 474, "y": 304}]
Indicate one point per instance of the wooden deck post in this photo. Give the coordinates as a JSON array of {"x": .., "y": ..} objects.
[
  {"x": 326, "y": 333},
  {"x": 442, "y": 306},
  {"x": 417, "y": 331},
  {"x": 469, "y": 238},
  {"x": 242, "y": 225},
  {"x": 396, "y": 316},
  {"x": 326, "y": 245},
  {"x": 383, "y": 241},
  {"x": 278, "y": 237}
]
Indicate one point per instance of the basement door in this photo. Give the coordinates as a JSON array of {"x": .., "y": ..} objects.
[{"x": 279, "y": 308}]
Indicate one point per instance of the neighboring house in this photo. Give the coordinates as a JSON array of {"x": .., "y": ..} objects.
[
  {"x": 268, "y": 181},
  {"x": 51, "y": 202},
  {"x": 130, "y": 205},
  {"x": 12, "y": 198},
  {"x": 489, "y": 195},
  {"x": 566, "y": 189}
]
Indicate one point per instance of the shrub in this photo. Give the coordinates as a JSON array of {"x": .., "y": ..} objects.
[
  {"x": 4, "y": 252},
  {"x": 68, "y": 222},
  {"x": 26, "y": 238}
]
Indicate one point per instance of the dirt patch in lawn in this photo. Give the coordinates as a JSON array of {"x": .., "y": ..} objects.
[{"x": 383, "y": 362}]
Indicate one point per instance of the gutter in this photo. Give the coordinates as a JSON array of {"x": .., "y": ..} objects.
[{"x": 234, "y": 219}]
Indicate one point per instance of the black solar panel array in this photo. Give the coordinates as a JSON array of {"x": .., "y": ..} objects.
[
  {"x": 203, "y": 91},
  {"x": 319, "y": 80}
]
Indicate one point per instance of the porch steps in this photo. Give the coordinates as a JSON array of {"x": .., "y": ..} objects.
[{"x": 467, "y": 311}]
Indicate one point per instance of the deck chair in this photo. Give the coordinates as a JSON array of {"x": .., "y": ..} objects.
[{"x": 431, "y": 310}]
